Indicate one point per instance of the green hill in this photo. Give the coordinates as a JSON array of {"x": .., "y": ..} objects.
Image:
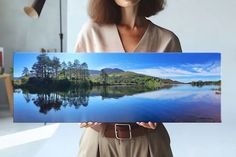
[{"x": 131, "y": 78}]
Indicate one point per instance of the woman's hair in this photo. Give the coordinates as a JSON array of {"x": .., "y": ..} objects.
[{"x": 108, "y": 12}]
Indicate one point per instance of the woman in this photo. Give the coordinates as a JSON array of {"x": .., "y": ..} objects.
[{"x": 121, "y": 26}]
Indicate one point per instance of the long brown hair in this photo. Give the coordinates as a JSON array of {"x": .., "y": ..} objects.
[{"x": 108, "y": 12}]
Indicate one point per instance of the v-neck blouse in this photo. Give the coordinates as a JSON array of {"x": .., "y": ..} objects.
[
  {"x": 140, "y": 41},
  {"x": 105, "y": 38}
]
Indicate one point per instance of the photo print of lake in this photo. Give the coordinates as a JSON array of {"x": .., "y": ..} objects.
[{"x": 117, "y": 87}]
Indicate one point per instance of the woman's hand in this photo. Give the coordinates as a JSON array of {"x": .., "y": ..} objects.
[
  {"x": 89, "y": 124},
  {"x": 148, "y": 125}
]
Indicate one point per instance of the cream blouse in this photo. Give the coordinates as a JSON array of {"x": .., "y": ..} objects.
[{"x": 105, "y": 38}]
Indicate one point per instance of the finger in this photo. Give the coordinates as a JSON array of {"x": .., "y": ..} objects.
[
  {"x": 139, "y": 123},
  {"x": 145, "y": 125},
  {"x": 90, "y": 123},
  {"x": 148, "y": 125},
  {"x": 152, "y": 125},
  {"x": 82, "y": 125},
  {"x": 155, "y": 125},
  {"x": 96, "y": 123}
]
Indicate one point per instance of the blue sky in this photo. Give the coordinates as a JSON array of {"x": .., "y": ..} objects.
[{"x": 183, "y": 67}]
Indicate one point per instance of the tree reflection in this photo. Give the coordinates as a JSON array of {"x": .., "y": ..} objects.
[
  {"x": 47, "y": 102},
  {"x": 77, "y": 97},
  {"x": 27, "y": 97}
]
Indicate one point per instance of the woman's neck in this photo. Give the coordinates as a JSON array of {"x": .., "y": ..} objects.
[{"x": 129, "y": 17}]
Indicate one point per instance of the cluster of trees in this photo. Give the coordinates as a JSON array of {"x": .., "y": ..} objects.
[
  {"x": 203, "y": 83},
  {"x": 45, "y": 67},
  {"x": 127, "y": 78},
  {"x": 104, "y": 76}
]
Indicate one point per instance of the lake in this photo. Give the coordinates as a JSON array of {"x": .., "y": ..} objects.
[{"x": 176, "y": 103}]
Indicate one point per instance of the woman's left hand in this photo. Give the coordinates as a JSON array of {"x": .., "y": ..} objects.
[{"x": 148, "y": 125}]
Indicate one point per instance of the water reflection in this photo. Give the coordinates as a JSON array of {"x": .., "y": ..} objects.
[
  {"x": 80, "y": 97},
  {"x": 46, "y": 102},
  {"x": 173, "y": 103}
]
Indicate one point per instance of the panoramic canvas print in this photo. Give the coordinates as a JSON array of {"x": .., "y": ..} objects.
[
  {"x": 1, "y": 61},
  {"x": 117, "y": 87},
  {"x": 1, "y": 58}
]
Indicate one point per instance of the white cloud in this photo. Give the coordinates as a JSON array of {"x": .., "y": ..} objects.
[
  {"x": 113, "y": 65},
  {"x": 210, "y": 67},
  {"x": 175, "y": 94},
  {"x": 185, "y": 70}
]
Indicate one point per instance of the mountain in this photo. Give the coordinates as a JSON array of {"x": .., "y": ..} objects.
[
  {"x": 111, "y": 71},
  {"x": 169, "y": 81},
  {"x": 17, "y": 78},
  {"x": 107, "y": 70},
  {"x": 131, "y": 78},
  {"x": 118, "y": 76}
]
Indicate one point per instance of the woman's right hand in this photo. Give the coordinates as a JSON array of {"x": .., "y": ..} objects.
[{"x": 89, "y": 124}]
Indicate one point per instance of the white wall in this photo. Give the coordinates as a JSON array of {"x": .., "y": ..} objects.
[
  {"x": 77, "y": 16},
  {"x": 19, "y": 32},
  {"x": 202, "y": 25}
]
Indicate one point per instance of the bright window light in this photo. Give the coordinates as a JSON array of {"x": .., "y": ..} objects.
[{"x": 27, "y": 136}]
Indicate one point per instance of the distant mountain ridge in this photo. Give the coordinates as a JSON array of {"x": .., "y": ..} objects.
[
  {"x": 111, "y": 71},
  {"x": 107, "y": 70},
  {"x": 17, "y": 78},
  {"x": 116, "y": 73}
]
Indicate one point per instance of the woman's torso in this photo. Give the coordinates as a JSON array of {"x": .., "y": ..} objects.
[{"x": 105, "y": 38}]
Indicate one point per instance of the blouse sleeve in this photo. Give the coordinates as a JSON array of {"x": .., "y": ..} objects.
[
  {"x": 83, "y": 38},
  {"x": 80, "y": 44},
  {"x": 174, "y": 44}
]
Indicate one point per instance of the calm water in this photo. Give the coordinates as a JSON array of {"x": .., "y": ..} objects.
[{"x": 179, "y": 103}]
